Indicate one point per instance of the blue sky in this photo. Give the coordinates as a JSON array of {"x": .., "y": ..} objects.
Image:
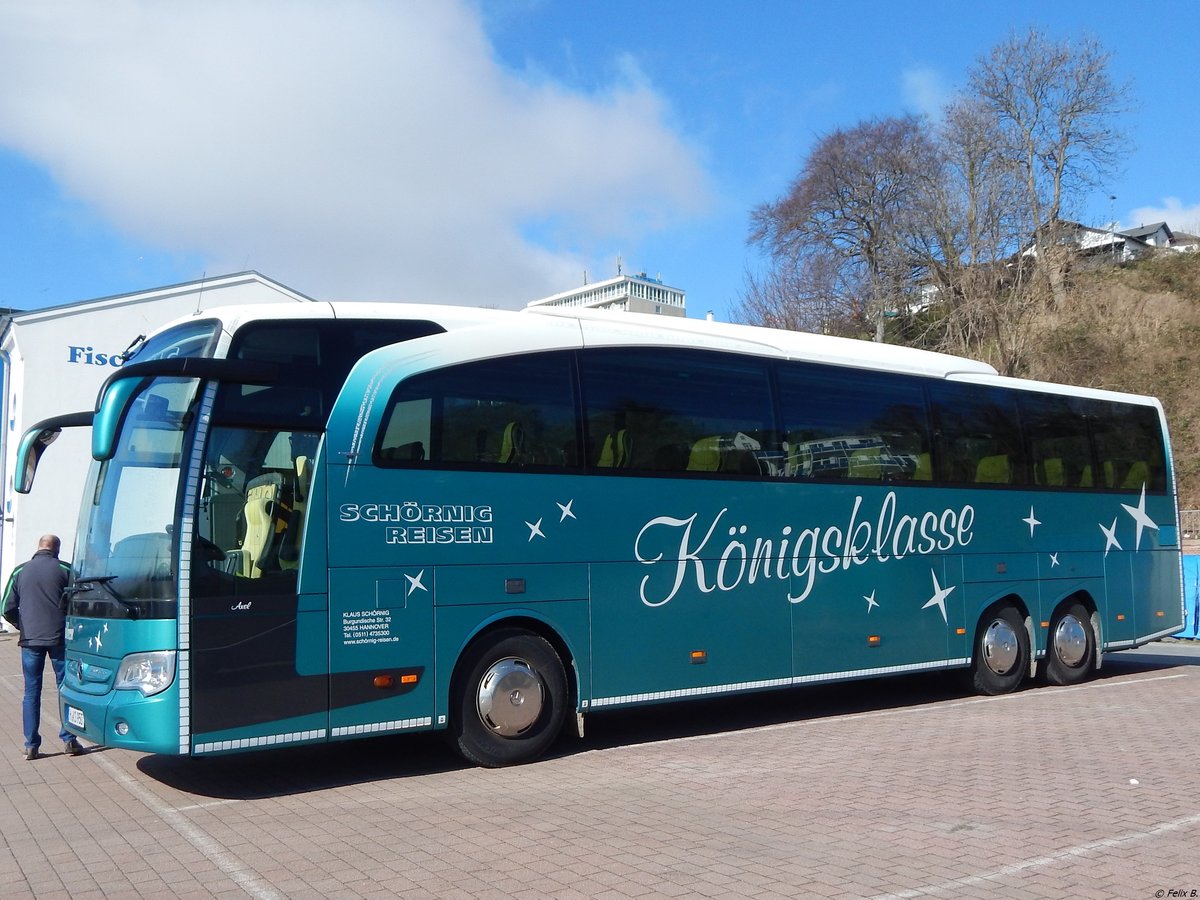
[{"x": 490, "y": 153}]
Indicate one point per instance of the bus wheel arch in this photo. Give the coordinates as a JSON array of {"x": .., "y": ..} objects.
[
  {"x": 509, "y": 696},
  {"x": 1002, "y": 654},
  {"x": 1072, "y": 653}
]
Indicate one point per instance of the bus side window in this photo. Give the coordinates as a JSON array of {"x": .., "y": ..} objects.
[
  {"x": 979, "y": 434},
  {"x": 844, "y": 423},
  {"x": 692, "y": 413},
  {"x": 405, "y": 436},
  {"x": 1128, "y": 440},
  {"x": 511, "y": 413},
  {"x": 1057, "y": 434}
]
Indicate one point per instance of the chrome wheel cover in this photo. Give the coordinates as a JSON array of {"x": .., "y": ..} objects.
[
  {"x": 1070, "y": 641},
  {"x": 1000, "y": 647},
  {"x": 510, "y": 697}
]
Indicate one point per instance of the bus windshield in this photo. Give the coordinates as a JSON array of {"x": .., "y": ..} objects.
[
  {"x": 124, "y": 556},
  {"x": 124, "y": 564}
]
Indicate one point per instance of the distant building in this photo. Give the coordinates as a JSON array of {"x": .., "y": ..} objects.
[
  {"x": 625, "y": 293},
  {"x": 1119, "y": 246}
]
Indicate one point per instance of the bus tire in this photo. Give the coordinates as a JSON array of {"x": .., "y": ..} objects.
[
  {"x": 1001, "y": 657},
  {"x": 1070, "y": 646},
  {"x": 509, "y": 703}
]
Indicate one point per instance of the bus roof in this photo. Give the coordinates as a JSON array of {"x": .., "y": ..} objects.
[
  {"x": 607, "y": 328},
  {"x": 1050, "y": 387},
  {"x": 233, "y": 317},
  {"x": 489, "y": 332}
]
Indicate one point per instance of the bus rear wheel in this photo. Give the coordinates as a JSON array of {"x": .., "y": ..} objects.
[
  {"x": 510, "y": 702},
  {"x": 1001, "y": 652},
  {"x": 1071, "y": 647}
]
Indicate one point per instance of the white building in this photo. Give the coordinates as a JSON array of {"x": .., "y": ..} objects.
[
  {"x": 625, "y": 293},
  {"x": 53, "y": 361}
]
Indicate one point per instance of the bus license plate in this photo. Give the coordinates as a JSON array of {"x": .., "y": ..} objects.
[{"x": 75, "y": 717}]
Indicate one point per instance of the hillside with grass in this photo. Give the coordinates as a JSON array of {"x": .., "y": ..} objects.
[{"x": 1133, "y": 327}]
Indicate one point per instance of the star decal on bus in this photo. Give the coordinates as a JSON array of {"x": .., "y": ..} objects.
[
  {"x": 1140, "y": 518},
  {"x": 1110, "y": 537},
  {"x": 566, "y": 510},
  {"x": 939, "y": 596},
  {"x": 871, "y": 601},
  {"x": 1032, "y": 521},
  {"x": 535, "y": 529},
  {"x": 414, "y": 583},
  {"x": 1053, "y": 560}
]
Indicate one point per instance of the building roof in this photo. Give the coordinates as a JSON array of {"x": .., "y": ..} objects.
[
  {"x": 172, "y": 290},
  {"x": 1146, "y": 230}
]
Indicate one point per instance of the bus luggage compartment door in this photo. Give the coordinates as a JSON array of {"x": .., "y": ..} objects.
[{"x": 380, "y": 650}]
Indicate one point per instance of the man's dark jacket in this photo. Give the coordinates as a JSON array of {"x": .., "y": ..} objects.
[{"x": 34, "y": 602}]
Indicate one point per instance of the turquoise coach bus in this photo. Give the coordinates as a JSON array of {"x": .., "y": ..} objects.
[{"x": 299, "y": 532}]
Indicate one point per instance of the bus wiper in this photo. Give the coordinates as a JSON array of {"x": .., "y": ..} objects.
[
  {"x": 105, "y": 581},
  {"x": 134, "y": 346}
]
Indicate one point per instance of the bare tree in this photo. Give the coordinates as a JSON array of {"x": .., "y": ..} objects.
[
  {"x": 973, "y": 226},
  {"x": 849, "y": 214},
  {"x": 798, "y": 297},
  {"x": 1055, "y": 105}
]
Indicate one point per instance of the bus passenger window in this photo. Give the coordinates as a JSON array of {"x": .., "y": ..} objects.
[
  {"x": 979, "y": 434},
  {"x": 1129, "y": 444},
  {"x": 679, "y": 412},
  {"x": 1056, "y": 432},
  {"x": 844, "y": 423},
  {"x": 511, "y": 413}
]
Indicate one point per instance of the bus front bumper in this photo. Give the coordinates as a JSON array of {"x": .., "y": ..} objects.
[{"x": 124, "y": 719}]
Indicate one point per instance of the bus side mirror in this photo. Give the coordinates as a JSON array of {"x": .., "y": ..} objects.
[
  {"x": 118, "y": 392},
  {"x": 115, "y": 400},
  {"x": 34, "y": 443}
]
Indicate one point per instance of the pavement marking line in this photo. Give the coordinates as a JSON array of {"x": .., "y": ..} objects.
[
  {"x": 193, "y": 834},
  {"x": 1039, "y": 862},
  {"x": 192, "y": 806},
  {"x": 902, "y": 711}
]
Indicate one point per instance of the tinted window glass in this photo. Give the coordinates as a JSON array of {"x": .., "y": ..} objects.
[
  {"x": 978, "y": 435},
  {"x": 1128, "y": 447},
  {"x": 846, "y": 423},
  {"x": 679, "y": 411},
  {"x": 511, "y": 413},
  {"x": 192, "y": 339},
  {"x": 1060, "y": 452}
]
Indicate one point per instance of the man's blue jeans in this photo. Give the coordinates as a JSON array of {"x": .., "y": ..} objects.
[{"x": 33, "y": 662}]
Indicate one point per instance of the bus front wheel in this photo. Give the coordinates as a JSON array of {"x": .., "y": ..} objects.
[
  {"x": 510, "y": 702},
  {"x": 1001, "y": 652},
  {"x": 1071, "y": 647}
]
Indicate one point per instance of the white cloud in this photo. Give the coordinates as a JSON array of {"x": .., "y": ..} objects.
[
  {"x": 1172, "y": 211},
  {"x": 357, "y": 149},
  {"x": 923, "y": 91}
]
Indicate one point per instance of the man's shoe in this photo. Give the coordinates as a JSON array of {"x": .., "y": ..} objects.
[
  {"x": 72, "y": 747},
  {"x": 31, "y": 753}
]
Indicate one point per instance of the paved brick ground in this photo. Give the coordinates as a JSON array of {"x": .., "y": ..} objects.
[{"x": 903, "y": 788}]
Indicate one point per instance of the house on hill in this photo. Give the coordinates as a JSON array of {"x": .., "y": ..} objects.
[
  {"x": 1156, "y": 235},
  {"x": 1125, "y": 245}
]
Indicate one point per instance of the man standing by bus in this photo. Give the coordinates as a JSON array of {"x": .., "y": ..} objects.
[{"x": 34, "y": 602}]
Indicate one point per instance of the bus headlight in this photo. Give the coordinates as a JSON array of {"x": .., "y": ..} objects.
[{"x": 149, "y": 672}]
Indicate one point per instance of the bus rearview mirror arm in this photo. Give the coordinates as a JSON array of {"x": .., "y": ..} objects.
[{"x": 35, "y": 441}]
